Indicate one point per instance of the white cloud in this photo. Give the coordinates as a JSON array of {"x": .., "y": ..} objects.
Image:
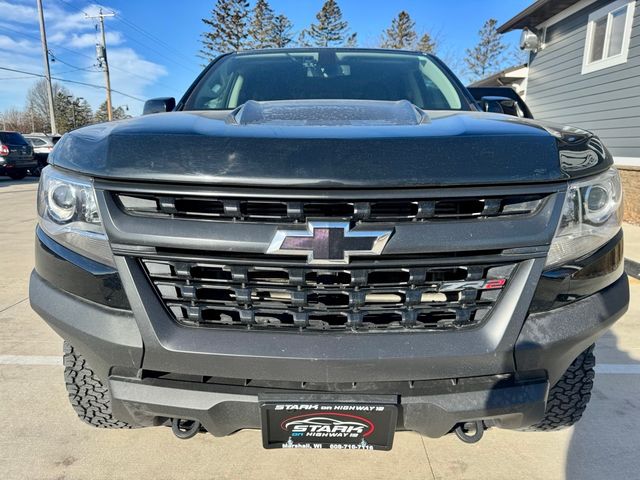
[
  {"x": 89, "y": 39},
  {"x": 71, "y": 38},
  {"x": 68, "y": 23},
  {"x": 14, "y": 44},
  {"x": 19, "y": 13}
]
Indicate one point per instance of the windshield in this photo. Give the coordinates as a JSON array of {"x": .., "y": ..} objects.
[{"x": 326, "y": 74}]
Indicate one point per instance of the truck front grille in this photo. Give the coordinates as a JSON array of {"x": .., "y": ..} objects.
[
  {"x": 284, "y": 211},
  {"x": 215, "y": 293}
]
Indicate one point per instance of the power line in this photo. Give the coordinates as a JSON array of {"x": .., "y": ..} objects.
[
  {"x": 18, "y": 32},
  {"x": 14, "y": 78},
  {"x": 128, "y": 23},
  {"x": 73, "y": 7},
  {"x": 102, "y": 87},
  {"x": 154, "y": 38},
  {"x": 55, "y": 58},
  {"x": 160, "y": 54},
  {"x": 75, "y": 52},
  {"x": 125, "y": 22}
]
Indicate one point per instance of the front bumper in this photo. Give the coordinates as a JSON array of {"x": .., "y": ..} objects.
[
  {"x": 157, "y": 370},
  {"x": 500, "y": 400}
]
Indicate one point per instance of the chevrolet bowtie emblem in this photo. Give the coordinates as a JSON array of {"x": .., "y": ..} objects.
[{"x": 329, "y": 243}]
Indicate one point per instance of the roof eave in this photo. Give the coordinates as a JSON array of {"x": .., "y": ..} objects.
[{"x": 537, "y": 13}]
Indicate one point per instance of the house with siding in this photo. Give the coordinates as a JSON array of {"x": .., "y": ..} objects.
[
  {"x": 584, "y": 70},
  {"x": 514, "y": 77}
]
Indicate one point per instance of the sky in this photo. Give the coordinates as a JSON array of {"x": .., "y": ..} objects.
[{"x": 153, "y": 44}]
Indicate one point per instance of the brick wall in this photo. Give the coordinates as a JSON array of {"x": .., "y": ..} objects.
[{"x": 631, "y": 184}]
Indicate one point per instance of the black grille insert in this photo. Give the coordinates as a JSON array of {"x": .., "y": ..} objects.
[
  {"x": 284, "y": 211},
  {"x": 223, "y": 295}
]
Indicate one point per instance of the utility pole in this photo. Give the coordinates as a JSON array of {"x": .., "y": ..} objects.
[
  {"x": 101, "y": 51},
  {"x": 47, "y": 71}
]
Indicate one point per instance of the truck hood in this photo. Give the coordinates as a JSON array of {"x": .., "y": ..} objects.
[{"x": 329, "y": 144}]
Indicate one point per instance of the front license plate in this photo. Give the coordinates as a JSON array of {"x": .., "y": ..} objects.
[{"x": 348, "y": 426}]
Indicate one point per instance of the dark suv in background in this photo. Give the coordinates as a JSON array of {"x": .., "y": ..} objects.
[
  {"x": 16, "y": 155},
  {"x": 329, "y": 245}
]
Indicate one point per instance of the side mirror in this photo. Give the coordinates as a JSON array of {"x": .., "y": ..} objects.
[
  {"x": 504, "y": 105},
  {"x": 159, "y": 105}
]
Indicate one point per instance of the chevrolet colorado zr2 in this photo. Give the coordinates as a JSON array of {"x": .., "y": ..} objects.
[{"x": 329, "y": 245}]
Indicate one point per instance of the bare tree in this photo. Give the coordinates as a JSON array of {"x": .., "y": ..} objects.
[
  {"x": 38, "y": 99},
  {"x": 13, "y": 119},
  {"x": 304, "y": 39},
  {"x": 487, "y": 56}
]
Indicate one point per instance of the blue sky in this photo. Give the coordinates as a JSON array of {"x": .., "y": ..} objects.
[{"x": 153, "y": 44}]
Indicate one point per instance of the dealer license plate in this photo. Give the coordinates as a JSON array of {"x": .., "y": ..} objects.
[{"x": 315, "y": 425}]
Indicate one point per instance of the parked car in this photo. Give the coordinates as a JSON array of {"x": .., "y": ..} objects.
[
  {"x": 500, "y": 100},
  {"x": 16, "y": 155},
  {"x": 329, "y": 245},
  {"x": 42, "y": 145}
]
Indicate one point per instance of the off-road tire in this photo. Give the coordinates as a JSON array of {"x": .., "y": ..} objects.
[
  {"x": 569, "y": 397},
  {"x": 89, "y": 397}
]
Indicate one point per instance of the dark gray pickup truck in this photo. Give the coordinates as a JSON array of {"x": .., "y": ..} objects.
[{"x": 329, "y": 245}]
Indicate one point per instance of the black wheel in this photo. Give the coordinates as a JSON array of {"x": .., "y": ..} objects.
[
  {"x": 35, "y": 171},
  {"x": 89, "y": 397},
  {"x": 17, "y": 174},
  {"x": 569, "y": 397}
]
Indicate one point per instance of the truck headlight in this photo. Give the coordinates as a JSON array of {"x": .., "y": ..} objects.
[
  {"x": 68, "y": 213},
  {"x": 592, "y": 215}
]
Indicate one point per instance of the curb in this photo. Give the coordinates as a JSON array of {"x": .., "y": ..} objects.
[{"x": 632, "y": 268}]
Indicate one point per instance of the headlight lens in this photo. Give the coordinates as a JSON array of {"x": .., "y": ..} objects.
[
  {"x": 68, "y": 213},
  {"x": 592, "y": 215}
]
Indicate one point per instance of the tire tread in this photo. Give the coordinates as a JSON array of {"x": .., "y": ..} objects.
[
  {"x": 569, "y": 397},
  {"x": 89, "y": 397}
]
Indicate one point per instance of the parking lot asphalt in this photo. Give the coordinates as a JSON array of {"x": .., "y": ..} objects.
[{"x": 41, "y": 438}]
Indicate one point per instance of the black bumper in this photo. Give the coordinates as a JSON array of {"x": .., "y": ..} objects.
[
  {"x": 500, "y": 401},
  {"x": 431, "y": 400}
]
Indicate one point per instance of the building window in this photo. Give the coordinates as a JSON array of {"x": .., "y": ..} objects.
[{"x": 608, "y": 36}]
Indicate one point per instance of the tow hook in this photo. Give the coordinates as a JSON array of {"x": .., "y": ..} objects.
[
  {"x": 184, "y": 429},
  {"x": 470, "y": 432}
]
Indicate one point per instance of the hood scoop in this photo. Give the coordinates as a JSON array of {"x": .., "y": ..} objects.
[{"x": 328, "y": 113}]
